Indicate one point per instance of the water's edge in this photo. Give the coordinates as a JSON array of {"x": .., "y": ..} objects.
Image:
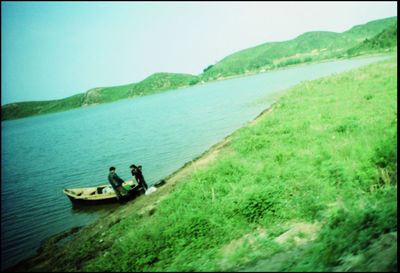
[
  {"x": 58, "y": 239},
  {"x": 54, "y": 240}
]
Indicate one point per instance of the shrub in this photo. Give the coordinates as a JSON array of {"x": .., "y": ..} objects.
[
  {"x": 385, "y": 158},
  {"x": 207, "y": 68}
]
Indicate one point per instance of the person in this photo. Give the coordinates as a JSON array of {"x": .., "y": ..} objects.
[
  {"x": 134, "y": 172},
  {"x": 116, "y": 183},
  {"x": 138, "y": 176}
]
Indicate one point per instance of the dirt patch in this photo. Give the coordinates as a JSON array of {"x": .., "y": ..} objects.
[
  {"x": 248, "y": 240},
  {"x": 275, "y": 262},
  {"x": 260, "y": 116},
  {"x": 300, "y": 233}
]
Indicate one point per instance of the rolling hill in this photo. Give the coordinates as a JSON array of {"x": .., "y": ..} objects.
[
  {"x": 155, "y": 83},
  {"x": 386, "y": 39},
  {"x": 308, "y": 47}
]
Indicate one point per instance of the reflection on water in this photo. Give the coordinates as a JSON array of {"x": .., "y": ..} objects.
[{"x": 89, "y": 209}]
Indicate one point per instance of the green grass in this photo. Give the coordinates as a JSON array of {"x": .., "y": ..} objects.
[{"x": 326, "y": 140}]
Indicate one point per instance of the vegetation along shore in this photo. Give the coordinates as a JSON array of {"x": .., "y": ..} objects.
[
  {"x": 375, "y": 37},
  {"x": 310, "y": 185}
]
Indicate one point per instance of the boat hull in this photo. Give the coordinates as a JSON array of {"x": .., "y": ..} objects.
[{"x": 101, "y": 194}]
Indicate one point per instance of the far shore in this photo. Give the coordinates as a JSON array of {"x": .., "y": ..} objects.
[{"x": 250, "y": 73}]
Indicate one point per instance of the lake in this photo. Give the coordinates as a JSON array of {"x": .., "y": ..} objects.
[{"x": 42, "y": 155}]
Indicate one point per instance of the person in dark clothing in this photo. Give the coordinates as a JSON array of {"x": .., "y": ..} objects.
[
  {"x": 137, "y": 174},
  {"x": 116, "y": 183},
  {"x": 134, "y": 172}
]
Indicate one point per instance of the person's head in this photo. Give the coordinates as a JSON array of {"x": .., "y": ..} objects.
[
  {"x": 112, "y": 169},
  {"x": 133, "y": 167},
  {"x": 139, "y": 167}
]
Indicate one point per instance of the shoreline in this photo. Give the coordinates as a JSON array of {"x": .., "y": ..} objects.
[
  {"x": 145, "y": 205},
  {"x": 334, "y": 59},
  {"x": 51, "y": 256}
]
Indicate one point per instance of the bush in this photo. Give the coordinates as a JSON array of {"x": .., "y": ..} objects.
[
  {"x": 385, "y": 158},
  {"x": 386, "y": 152},
  {"x": 207, "y": 68}
]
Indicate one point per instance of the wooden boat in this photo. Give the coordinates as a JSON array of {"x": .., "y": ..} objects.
[{"x": 101, "y": 194}]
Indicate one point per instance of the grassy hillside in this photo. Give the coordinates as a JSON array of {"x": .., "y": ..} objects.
[
  {"x": 308, "y": 47},
  {"x": 384, "y": 40},
  {"x": 271, "y": 55},
  {"x": 370, "y": 29},
  {"x": 33, "y": 108},
  {"x": 311, "y": 186},
  {"x": 155, "y": 83}
]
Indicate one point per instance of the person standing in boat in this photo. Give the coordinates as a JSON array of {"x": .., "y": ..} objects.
[
  {"x": 116, "y": 183},
  {"x": 138, "y": 176}
]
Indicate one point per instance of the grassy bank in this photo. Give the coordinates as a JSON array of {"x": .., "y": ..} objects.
[{"x": 311, "y": 185}]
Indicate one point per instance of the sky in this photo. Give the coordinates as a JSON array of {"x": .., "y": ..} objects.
[{"x": 52, "y": 50}]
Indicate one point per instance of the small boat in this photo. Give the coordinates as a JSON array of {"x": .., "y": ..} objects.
[{"x": 101, "y": 194}]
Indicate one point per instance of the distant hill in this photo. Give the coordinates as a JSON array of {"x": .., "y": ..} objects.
[
  {"x": 386, "y": 39},
  {"x": 155, "y": 83},
  {"x": 272, "y": 55},
  {"x": 308, "y": 47},
  {"x": 370, "y": 29}
]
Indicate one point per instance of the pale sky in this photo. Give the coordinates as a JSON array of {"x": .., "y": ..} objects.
[{"x": 52, "y": 50}]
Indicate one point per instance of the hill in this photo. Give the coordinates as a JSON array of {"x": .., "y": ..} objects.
[
  {"x": 384, "y": 40},
  {"x": 155, "y": 83},
  {"x": 308, "y": 47},
  {"x": 360, "y": 32},
  {"x": 277, "y": 54}
]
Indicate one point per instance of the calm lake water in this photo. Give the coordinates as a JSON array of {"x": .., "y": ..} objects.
[{"x": 42, "y": 155}]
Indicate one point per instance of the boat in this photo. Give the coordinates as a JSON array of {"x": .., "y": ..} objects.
[{"x": 101, "y": 194}]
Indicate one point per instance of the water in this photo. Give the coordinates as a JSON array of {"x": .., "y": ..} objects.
[{"x": 42, "y": 155}]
